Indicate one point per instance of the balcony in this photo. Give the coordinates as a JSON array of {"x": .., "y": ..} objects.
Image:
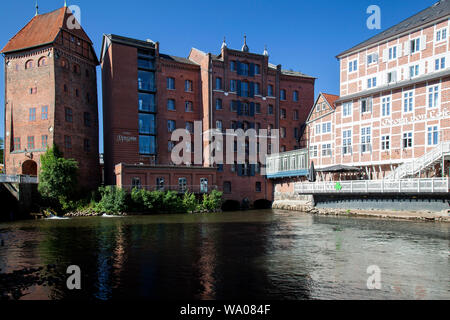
[
  {"x": 405, "y": 186},
  {"x": 288, "y": 164}
]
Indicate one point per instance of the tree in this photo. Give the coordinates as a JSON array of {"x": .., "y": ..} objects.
[{"x": 58, "y": 178}]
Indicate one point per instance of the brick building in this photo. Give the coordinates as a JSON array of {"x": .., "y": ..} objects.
[
  {"x": 148, "y": 94},
  {"x": 394, "y": 104},
  {"x": 51, "y": 96}
]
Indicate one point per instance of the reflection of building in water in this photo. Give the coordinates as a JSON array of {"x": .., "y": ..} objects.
[{"x": 207, "y": 264}]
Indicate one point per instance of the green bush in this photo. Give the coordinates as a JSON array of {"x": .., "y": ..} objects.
[
  {"x": 190, "y": 203},
  {"x": 172, "y": 203},
  {"x": 113, "y": 200},
  {"x": 212, "y": 202}
]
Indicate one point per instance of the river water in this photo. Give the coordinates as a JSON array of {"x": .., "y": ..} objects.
[{"x": 242, "y": 255}]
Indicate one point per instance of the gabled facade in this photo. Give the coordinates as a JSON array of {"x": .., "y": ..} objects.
[{"x": 51, "y": 96}]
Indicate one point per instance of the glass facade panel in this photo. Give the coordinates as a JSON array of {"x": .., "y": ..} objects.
[
  {"x": 147, "y": 145},
  {"x": 147, "y": 102},
  {"x": 146, "y": 80},
  {"x": 147, "y": 124}
]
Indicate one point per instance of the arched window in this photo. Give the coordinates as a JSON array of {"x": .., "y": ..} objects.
[
  {"x": 29, "y": 64},
  {"x": 42, "y": 62}
]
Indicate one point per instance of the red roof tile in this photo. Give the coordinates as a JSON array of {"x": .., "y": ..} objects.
[
  {"x": 331, "y": 98},
  {"x": 43, "y": 29}
]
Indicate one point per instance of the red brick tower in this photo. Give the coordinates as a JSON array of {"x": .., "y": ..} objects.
[{"x": 51, "y": 96}]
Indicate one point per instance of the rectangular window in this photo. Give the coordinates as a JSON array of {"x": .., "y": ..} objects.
[
  {"x": 270, "y": 110},
  {"x": 366, "y": 105},
  {"x": 439, "y": 64},
  {"x": 414, "y": 71},
  {"x": 233, "y": 106},
  {"x": 366, "y": 139},
  {"x": 392, "y": 53},
  {"x": 386, "y": 106},
  {"x": 30, "y": 143},
  {"x": 258, "y": 187},
  {"x": 182, "y": 184},
  {"x": 145, "y": 63},
  {"x": 227, "y": 187},
  {"x": 295, "y": 96},
  {"x": 244, "y": 89},
  {"x": 258, "y": 108},
  {"x": 218, "y": 104},
  {"x": 147, "y": 102},
  {"x": 170, "y": 84},
  {"x": 392, "y": 77},
  {"x": 87, "y": 145},
  {"x": 171, "y": 125},
  {"x": 44, "y": 141},
  {"x": 160, "y": 184},
  {"x": 347, "y": 108},
  {"x": 407, "y": 140},
  {"x": 171, "y": 105},
  {"x": 283, "y": 95},
  {"x": 147, "y": 145},
  {"x": 318, "y": 128},
  {"x": 233, "y": 86},
  {"x": 296, "y": 133},
  {"x": 219, "y": 125},
  {"x": 233, "y": 66},
  {"x": 441, "y": 35},
  {"x": 270, "y": 90},
  {"x": 218, "y": 83},
  {"x": 295, "y": 114},
  {"x": 189, "y": 107},
  {"x": 257, "y": 89},
  {"x": 257, "y": 69},
  {"x": 433, "y": 97},
  {"x": 32, "y": 114},
  {"x": 372, "y": 58},
  {"x": 190, "y": 126},
  {"x": 283, "y": 114},
  {"x": 347, "y": 142},
  {"x": 353, "y": 66},
  {"x": 188, "y": 86},
  {"x": 244, "y": 69},
  {"x": 314, "y": 152},
  {"x": 68, "y": 142},
  {"x": 371, "y": 83},
  {"x": 87, "y": 119},
  {"x": 385, "y": 143},
  {"x": 283, "y": 132},
  {"x": 433, "y": 135},
  {"x": 415, "y": 45},
  {"x": 44, "y": 113},
  {"x": 146, "y": 80},
  {"x": 408, "y": 101},
  {"x": 326, "y": 150},
  {"x": 147, "y": 123},
  {"x": 16, "y": 144},
  {"x": 326, "y": 127},
  {"x": 69, "y": 115}
]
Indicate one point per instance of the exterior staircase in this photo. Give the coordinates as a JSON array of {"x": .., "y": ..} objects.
[{"x": 415, "y": 166}]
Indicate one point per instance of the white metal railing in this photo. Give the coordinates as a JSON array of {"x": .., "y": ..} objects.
[
  {"x": 439, "y": 185},
  {"x": 415, "y": 166},
  {"x": 18, "y": 179},
  {"x": 287, "y": 161}
]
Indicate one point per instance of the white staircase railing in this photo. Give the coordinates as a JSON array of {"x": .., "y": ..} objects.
[{"x": 415, "y": 166}]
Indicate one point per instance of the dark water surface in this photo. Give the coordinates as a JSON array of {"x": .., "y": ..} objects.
[{"x": 249, "y": 255}]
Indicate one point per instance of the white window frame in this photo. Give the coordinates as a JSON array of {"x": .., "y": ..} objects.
[
  {"x": 374, "y": 57},
  {"x": 327, "y": 150},
  {"x": 318, "y": 129},
  {"x": 439, "y": 63},
  {"x": 386, "y": 106},
  {"x": 438, "y": 37},
  {"x": 349, "y": 112},
  {"x": 372, "y": 82},
  {"x": 416, "y": 41},
  {"x": 408, "y": 101},
  {"x": 432, "y": 132},
  {"x": 351, "y": 66},
  {"x": 314, "y": 151},
  {"x": 408, "y": 137},
  {"x": 366, "y": 135},
  {"x": 416, "y": 71},
  {"x": 369, "y": 105},
  {"x": 385, "y": 142},
  {"x": 436, "y": 100},
  {"x": 392, "y": 53},
  {"x": 347, "y": 142}
]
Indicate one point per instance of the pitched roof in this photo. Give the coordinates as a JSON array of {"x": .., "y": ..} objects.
[
  {"x": 177, "y": 59},
  {"x": 331, "y": 99},
  {"x": 42, "y": 30},
  {"x": 436, "y": 11}
]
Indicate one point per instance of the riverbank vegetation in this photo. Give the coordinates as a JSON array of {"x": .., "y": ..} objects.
[{"x": 58, "y": 188}]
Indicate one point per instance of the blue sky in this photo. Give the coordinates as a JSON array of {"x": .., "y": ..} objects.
[{"x": 301, "y": 35}]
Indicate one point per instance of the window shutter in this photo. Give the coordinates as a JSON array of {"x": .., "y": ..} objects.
[
  {"x": 239, "y": 108},
  {"x": 399, "y": 50},
  {"x": 251, "y": 89},
  {"x": 385, "y": 55},
  {"x": 407, "y": 48},
  {"x": 423, "y": 42},
  {"x": 252, "y": 109},
  {"x": 239, "y": 88},
  {"x": 238, "y": 68},
  {"x": 251, "y": 71}
]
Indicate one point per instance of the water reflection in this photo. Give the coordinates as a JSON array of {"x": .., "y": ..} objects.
[{"x": 251, "y": 255}]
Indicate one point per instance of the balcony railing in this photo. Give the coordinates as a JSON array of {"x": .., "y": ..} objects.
[
  {"x": 197, "y": 189},
  {"x": 287, "y": 164},
  {"x": 18, "y": 179},
  {"x": 410, "y": 186}
]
